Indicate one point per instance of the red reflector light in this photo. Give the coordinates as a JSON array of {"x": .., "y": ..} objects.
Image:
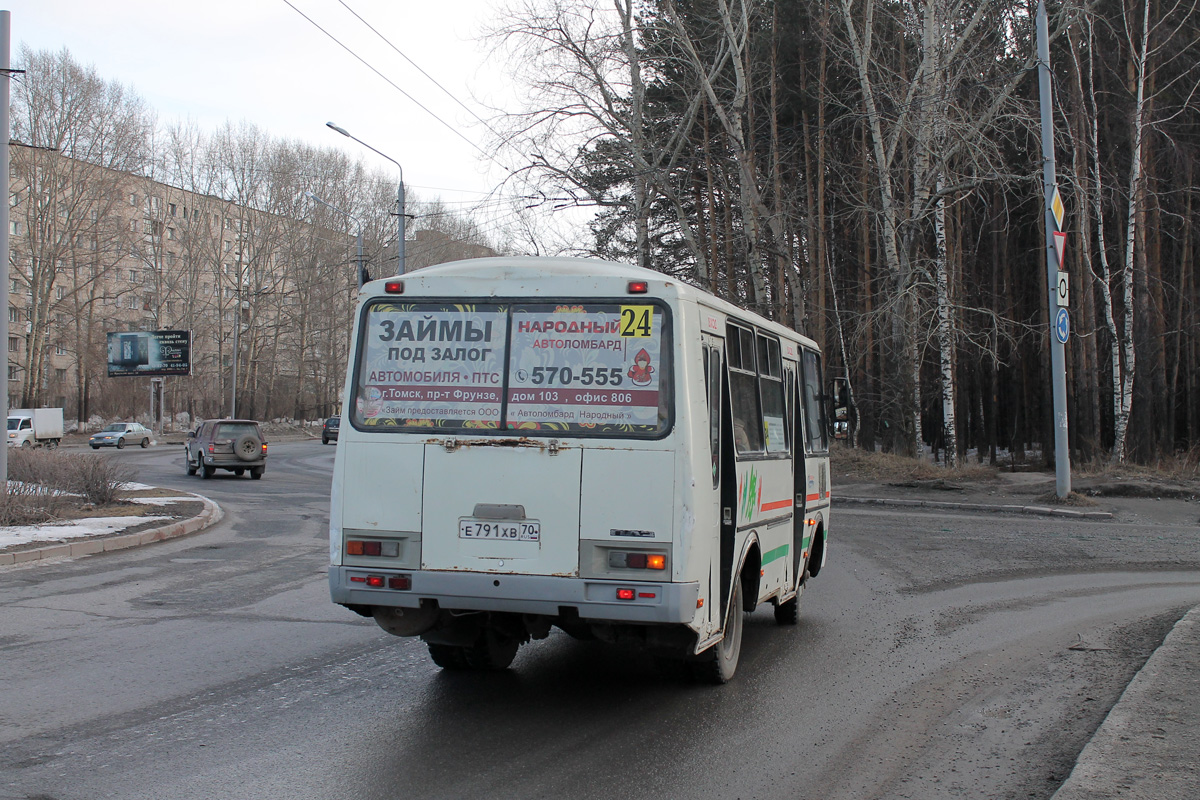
[
  {"x": 400, "y": 582},
  {"x": 375, "y": 581},
  {"x": 638, "y": 287},
  {"x": 394, "y": 287},
  {"x": 624, "y": 594},
  {"x": 650, "y": 595},
  {"x": 357, "y": 579}
]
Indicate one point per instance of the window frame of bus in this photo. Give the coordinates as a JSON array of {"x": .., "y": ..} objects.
[
  {"x": 772, "y": 375},
  {"x": 666, "y": 367},
  {"x": 734, "y": 330},
  {"x": 813, "y": 402},
  {"x": 712, "y": 393}
]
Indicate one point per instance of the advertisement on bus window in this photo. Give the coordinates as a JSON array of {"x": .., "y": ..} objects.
[
  {"x": 432, "y": 366},
  {"x": 583, "y": 366},
  {"x": 586, "y": 368}
]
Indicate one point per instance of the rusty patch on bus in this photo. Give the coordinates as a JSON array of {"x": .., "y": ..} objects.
[{"x": 452, "y": 445}]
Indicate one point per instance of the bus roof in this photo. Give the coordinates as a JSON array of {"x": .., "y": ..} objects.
[{"x": 521, "y": 276}]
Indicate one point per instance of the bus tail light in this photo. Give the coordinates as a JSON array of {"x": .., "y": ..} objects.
[
  {"x": 357, "y": 547},
  {"x": 375, "y": 581},
  {"x": 638, "y": 287},
  {"x": 621, "y": 559},
  {"x": 394, "y": 287},
  {"x": 625, "y": 594}
]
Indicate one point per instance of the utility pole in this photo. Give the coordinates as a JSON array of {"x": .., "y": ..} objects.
[
  {"x": 1060, "y": 321},
  {"x": 5, "y": 175},
  {"x": 237, "y": 326}
]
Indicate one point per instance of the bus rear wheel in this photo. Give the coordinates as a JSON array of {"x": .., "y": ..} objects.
[
  {"x": 788, "y": 613},
  {"x": 718, "y": 664},
  {"x": 491, "y": 652},
  {"x": 448, "y": 656}
]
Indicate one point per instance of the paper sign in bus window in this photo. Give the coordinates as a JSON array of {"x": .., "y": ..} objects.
[
  {"x": 637, "y": 321},
  {"x": 433, "y": 366},
  {"x": 584, "y": 367}
]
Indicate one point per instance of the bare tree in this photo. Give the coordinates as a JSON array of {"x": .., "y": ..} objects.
[{"x": 67, "y": 238}]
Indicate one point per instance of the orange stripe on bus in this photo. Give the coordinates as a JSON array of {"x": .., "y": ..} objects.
[
  {"x": 812, "y": 498},
  {"x": 775, "y": 505}
]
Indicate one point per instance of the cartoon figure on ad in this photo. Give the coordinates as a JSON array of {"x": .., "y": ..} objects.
[{"x": 641, "y": 372}]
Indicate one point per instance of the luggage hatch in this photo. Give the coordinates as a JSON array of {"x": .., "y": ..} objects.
[{"x": 498, "y": 507}]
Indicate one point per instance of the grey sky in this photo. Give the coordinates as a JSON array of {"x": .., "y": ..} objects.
[{"x": 261, "y": 61}]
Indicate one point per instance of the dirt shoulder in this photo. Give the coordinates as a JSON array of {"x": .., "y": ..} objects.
[{"x": 1133, "y": 494}]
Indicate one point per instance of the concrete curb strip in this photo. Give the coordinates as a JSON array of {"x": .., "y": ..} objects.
[
  {"x": 1146, "y": 747},
  {"x": 998, "y": 509},
  {"x": 211, "y": 515}
]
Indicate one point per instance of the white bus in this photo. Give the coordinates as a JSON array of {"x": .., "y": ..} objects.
[{"x": 531, "y": 443}]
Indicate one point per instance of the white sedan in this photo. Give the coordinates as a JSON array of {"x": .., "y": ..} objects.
[{"x": 118, "y": 434}]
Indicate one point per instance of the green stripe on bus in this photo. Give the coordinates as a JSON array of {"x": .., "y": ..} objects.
[{"x": 771, "y": 555}]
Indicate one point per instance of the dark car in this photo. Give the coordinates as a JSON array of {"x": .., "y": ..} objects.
[
  {"x": 237, "y": 445},
  {"x": 329, "y": 431}
]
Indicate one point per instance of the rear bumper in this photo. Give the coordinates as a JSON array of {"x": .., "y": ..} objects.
[
  {"x": 230, "y": 461},
  {"x": 595, "y": 600}
]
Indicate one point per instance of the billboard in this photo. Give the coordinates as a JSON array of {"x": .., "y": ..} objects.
[{"x": 149, "y": 353}]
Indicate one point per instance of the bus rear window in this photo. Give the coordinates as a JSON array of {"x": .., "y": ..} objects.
[{"x": 571, "y": 368}]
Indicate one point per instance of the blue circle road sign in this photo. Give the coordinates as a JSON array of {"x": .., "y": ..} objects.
[{"x": 1062, "y": 325}]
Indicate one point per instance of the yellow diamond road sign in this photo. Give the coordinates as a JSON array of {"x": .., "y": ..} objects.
[{"x": 1056, "y": 206}]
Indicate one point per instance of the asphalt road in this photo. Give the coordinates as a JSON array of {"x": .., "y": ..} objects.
[{"x": 938, "y": 656}]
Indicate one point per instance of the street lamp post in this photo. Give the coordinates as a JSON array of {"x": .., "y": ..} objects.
[
  {"x": 399, "y": 193},
  {"x": 359, "y": 237}
]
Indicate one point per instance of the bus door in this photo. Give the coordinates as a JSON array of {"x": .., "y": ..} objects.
[
  {"x": 813, "y": 434},
  {"x": 799, "y": 520},
  {"x": 723, "y": 473}
]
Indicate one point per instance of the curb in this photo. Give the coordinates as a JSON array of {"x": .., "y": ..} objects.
[
  {"x": 996, "y": 509},
  {"x": 1144, "y": 747},
  {"x": 211, "y": 515}
]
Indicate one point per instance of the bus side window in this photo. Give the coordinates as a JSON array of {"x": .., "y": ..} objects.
[
  {"x": 743, "y": 390},
  {"x": 712, "y": 385},
  {"x": 789, "y": 408},
  {"x": 770, "y": 373},
  {"x": 814, "y": 409}
]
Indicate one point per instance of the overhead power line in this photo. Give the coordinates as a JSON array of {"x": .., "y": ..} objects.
[
  {"x": 418, "y": 68},
  {"x": 393, "y": 84}
]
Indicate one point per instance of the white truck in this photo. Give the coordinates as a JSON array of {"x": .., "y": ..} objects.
[{"x": 31, "y": 427}]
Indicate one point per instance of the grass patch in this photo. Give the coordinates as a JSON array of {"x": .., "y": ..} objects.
[
  {"x": 48, "y": 485},
  {"x": 861, "y": 465},
  {"x": 1183, "y": 469},
  {"x": 1074, "y": 499}
]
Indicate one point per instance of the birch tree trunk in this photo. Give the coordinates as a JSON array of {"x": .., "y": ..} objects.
[{"x": 1124, "y": 399}]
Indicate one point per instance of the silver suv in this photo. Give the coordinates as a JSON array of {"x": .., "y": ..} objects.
[{"x": 237, "y": 445}]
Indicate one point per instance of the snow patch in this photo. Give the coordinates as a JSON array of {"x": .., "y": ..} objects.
[{"x": 57, "y": 532}]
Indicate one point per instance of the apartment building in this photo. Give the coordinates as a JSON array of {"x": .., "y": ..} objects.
[{"x": 95, "y": 251}]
